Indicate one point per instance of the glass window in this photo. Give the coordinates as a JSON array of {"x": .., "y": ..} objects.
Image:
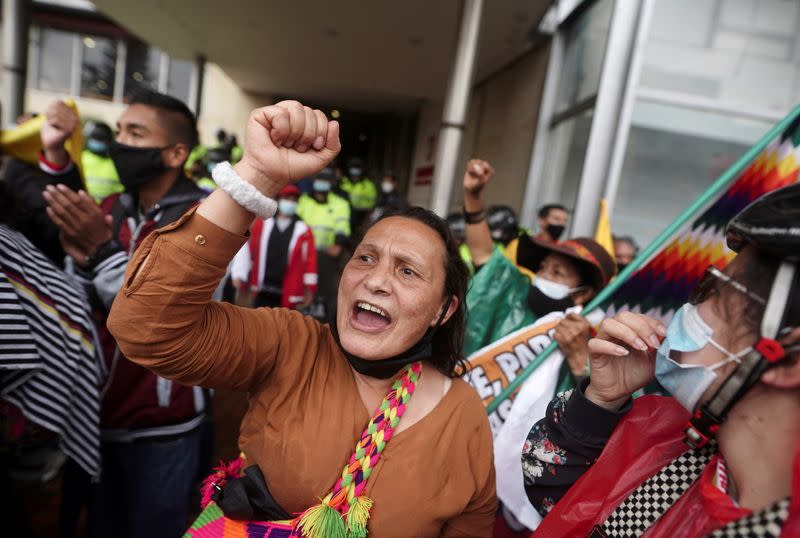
[
  {"x": 738, "y": 52},
  {"x": 180, "y": 76},
  {"x": 585, "y": 45},
  {"x": 98, "y": 65},
  {"x": 565, "y": 161},
  {"x": 673, "y": 155},
  {"x": 141, "y": 68},
  {"x": 55, "y": 60}
]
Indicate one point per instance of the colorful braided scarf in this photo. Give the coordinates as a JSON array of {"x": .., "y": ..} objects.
[{"x": 344, "y": 512}]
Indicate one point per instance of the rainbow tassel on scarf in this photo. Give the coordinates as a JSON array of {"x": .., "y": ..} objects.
[{"x": 321, "y": 521}]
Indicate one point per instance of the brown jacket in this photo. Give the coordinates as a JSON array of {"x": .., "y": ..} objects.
[{"x": 305, "y": 414}]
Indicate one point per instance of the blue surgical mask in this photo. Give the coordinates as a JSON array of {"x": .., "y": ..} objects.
[
  {"x": 355, "y": 171},
  {"x": 686, "y": 333},
  {"x": 321, "y": 185},
  {"x": 97, "y": 146},
  {"x": 287, "y": 207},
  {"x": 554, "y": 290}
]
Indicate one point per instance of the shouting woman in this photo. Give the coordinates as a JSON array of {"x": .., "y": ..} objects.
[{"x": 358, "y": 426}]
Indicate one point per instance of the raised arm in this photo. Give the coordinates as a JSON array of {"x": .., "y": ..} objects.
[
  {"x": 164, "y": 319},
  {"x": 479, "y": 238},
  {"x": 284, "y": 143}
]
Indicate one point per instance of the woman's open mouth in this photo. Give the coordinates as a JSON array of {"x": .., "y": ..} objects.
[{"x": 369, "y": 318}]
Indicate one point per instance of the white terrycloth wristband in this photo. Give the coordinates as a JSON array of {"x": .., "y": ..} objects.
[{"x": 242, "y": 192}]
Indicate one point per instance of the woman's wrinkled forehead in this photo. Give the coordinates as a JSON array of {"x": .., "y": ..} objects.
[{"x": 406, "y": 237}]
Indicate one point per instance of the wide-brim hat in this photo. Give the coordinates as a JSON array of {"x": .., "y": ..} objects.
[{"x": 587, "y": 253}]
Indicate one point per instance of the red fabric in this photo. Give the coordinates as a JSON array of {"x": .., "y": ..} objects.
[
  {"x": 131, "y": 401},
  {"x": 289, "y": 190},
  {"x": 648, "y": 438},
  {"x": 53, "y": 166},
  {"x": 792, "y": 526},
  {"x": 302, "y": 261},
  {"x": 502, "y": 530}
]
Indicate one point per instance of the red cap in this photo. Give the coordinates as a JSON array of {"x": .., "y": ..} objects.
[{"x": 289, "y": 190}]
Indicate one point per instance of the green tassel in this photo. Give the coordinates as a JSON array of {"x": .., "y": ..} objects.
[
  {"x": 322, "y": 521},
  {"x": 357, "y": 517}
]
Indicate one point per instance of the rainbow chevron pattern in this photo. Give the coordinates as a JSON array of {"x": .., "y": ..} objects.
[{"x": 664, "y": 283}]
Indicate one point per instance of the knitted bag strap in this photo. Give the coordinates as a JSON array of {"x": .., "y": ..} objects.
[
  {"x": 651, "y": 499},
  {"x": 344, "y": 512}
]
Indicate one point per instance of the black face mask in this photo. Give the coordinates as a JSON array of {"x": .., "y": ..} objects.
[
  {"x": 621, "y": 267},
  {"x": 555, "y": 231},
  {"x": 541, "y": 305},
  {"x": 386, "y": 368},
  {"x": 136, "y": 166}
]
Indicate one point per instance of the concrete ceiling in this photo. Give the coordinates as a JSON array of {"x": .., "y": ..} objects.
[{"x": 350, "y": 53}]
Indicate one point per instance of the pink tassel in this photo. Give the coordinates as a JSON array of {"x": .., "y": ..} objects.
[{"x": 221, "y": 474}]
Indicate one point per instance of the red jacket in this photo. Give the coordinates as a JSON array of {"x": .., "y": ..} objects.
[
  {"x": 648, "y": 438},
  {"x": 138, "y": 404},
  {"x": 301, "y": 268}
]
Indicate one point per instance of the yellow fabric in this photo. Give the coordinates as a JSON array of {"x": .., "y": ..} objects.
[
  {"x": 510, "y": 252},
  {"x": 101, "y": 176},
  {"x": 326, "y": 220},
  {"x": 197, "y": 154},
  {"x": 603, "y": 232},
  {"x": 206, "y": 183},
  {"x": 24, "y": 142},
  {"x": 363, "y": 193},
  {"x": 237, "y": 152}
]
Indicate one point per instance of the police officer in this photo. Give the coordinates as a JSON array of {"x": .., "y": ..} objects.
[
  {"x": 101, "y": 175},
  {"x": 362, "y": 191},
  {"x": 328, "y": 216}
]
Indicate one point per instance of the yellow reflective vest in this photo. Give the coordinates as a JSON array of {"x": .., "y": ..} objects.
[
  {"x": 363, "y": 194},
  {"x": 326, "y": 220},
  {"x": 101, "y": 176}
]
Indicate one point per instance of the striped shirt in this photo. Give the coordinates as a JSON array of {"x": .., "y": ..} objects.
[{"x": 49, "y": 361}]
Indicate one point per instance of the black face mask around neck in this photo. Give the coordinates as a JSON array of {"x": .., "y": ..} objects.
[
  {"x": 387, "y": 368},
  {"x": 541, "y": 304}
]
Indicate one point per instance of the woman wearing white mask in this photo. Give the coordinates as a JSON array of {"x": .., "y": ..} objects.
[
  {"x": 506, "y": 296},
  {"x": 278, "y": 265},
  {"x": 721, "y": 457}
]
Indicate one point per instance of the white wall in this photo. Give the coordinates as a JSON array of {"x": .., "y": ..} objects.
[
  {"x": 501, "y": 123},
  {"x": 38, "y": 100},
  {"x": 739, "y": 52},
  {"x": 225, "y": 105},
  {"x": 430, "y": 117}
]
